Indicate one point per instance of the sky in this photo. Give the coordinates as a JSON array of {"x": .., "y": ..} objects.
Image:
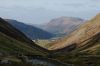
[{"x": 42, "y": 11}]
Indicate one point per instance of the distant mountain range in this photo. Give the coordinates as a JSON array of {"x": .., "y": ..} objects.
[
  {"x": 31, "y": 31},
  {"x": 62, "y": 26},
  {"x": 58, "y": 27}
]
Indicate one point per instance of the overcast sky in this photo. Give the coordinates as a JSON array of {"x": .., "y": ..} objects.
[{"x": 40, "y": 11}]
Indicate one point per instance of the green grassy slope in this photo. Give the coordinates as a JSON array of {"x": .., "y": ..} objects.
[
  {"x": 10, "y": 45},
  {"x": 43, "y": 43},
  {"x": 12, "y": 40}
]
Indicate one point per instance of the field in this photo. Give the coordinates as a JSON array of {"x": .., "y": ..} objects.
[{"x": 43, "y": 43}]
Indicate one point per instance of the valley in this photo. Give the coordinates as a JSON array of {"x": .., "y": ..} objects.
[
  {"x": 80, "y": 47},
  {"x": 49, "y": 32}
]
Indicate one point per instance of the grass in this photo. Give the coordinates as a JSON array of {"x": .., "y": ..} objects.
[
  {"x": 43, "y": 43},
  {"x": 9, "y": 45}
]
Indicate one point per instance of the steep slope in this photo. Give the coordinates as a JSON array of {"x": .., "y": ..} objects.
[
  {"x": 63, "y": 25},
  {"x": 14, "y": 45},
  {"x": 81, "y": 36},
  {"x": 95, "y": 48},
  {"x": 9, "y": 45},
  {"x": 14, "y": 40},
  {"x": 31, "y": 31}
]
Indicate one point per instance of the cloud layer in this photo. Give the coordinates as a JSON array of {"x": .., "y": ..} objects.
[{"x": 39, "y": 11}]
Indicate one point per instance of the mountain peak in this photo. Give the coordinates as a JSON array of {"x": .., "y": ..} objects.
[{"x": 63, "y": 25}]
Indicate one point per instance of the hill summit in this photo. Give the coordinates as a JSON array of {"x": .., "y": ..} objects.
[{"x": 63, "y": 25}]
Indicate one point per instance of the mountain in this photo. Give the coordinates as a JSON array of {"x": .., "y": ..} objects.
[
  {"x": 85, "y": 40},
  {"x": 31, "y": 31},
  {"x": 12, "y": 41},
  {"x": 63, "y": 26},
  {"x": 81, "y": 47},
  {"x": 17, "y": 49},
  {"x": 84, "y": 37}
]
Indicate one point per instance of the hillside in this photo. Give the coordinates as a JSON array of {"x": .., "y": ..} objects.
[
  {"x": 14, "y": 41},
  {"x": 18, "y": 50},
  {"x": 63, "y": 25},
  {"x": 9, "y": 45},
  {"x": 81, "y": 47},
  {"x": 81, "y": 36},
  {"x": 31, "y": 31},
  {"x": 85, "y": 41}
]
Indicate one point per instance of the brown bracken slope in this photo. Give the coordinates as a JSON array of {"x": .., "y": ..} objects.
[{"x": 81, "y": 36}]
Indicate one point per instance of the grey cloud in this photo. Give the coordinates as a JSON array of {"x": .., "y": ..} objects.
[{"x": 40, "y": 11}]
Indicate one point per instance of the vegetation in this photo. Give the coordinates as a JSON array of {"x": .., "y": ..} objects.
[
  {"x": 15, "y": 47},
  {"x": 43, "y": 43}
]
